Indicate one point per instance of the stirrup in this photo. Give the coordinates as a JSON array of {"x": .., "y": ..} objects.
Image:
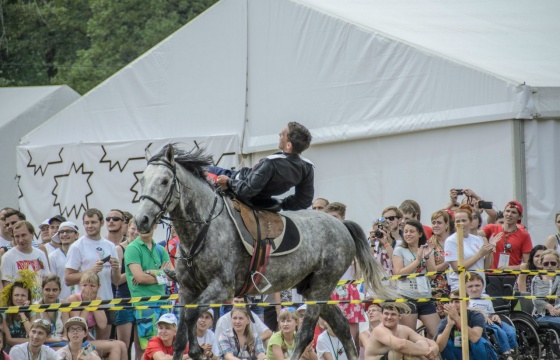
[{"x": 267, "y": 285}]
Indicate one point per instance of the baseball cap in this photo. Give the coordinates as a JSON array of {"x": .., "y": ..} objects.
[
  {"x": 516, "y": 204},
  {"x": 76, "y": 320},
  {"x": 302, "y": 308},
  {"x": 58, "y": 218},
  {"x": 210, "y": 311},
  {"x": 168, "y": 318},
  {"x": 44, "y": 223},
  {"x": 66, "y": 224}
]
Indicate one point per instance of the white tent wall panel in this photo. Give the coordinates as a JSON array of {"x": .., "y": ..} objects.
[
  {"x": 25, "y": 109},
  {"x": 369, "y": 175},
  {"x": 191, "y": 84},
  {"x": 542, "y": 151},
  {"x": 347, "y": 82},
  {"x": 67, "y": 179}
]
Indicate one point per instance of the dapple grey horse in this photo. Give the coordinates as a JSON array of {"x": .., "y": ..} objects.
[{"x": 213, "y": 264}]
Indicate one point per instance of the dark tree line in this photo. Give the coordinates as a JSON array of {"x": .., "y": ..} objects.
[{"x": 82, "y": 42}]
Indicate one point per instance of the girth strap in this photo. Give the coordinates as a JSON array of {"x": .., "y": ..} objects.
[{"x": 259, "y": 261}]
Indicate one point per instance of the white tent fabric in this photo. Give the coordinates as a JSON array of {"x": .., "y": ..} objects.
[
  {"x": 405, "y": 99},
  {"x": 22, "y": 110},
  {"x": 68, "y": 179}
]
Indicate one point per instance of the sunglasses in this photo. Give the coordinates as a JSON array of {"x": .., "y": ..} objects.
[
  {"x": 549, "y": 263},
  {"x": 42, "y": 322},
  {"x": 392, "y": 218},
  {"x": 290, "y": 309},
  {"x": 114, "y": 218},
  {"x": 67, "y": 231}
]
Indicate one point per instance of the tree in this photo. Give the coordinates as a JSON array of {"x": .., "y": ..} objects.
[{"x": 82, "y": 42}]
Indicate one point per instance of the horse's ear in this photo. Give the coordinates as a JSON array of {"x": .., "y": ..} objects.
[
  {"x": 170, "y": 154},
  {"x": 147, "y": 152}
]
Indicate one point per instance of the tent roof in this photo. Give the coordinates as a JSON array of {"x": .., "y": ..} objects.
[
  {"x": 347, "y": 70},
  {"x": 14, "y": 101},
  {"x": 514, "y": 39}
]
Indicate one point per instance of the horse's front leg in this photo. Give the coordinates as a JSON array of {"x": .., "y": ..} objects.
[
  {"x": 184, "y": 327},
  {"x": 215, "y": 293}
]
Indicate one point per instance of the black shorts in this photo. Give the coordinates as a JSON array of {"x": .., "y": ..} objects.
[
  {"x": 422, "y": 308},
  {"x": 111, "y": 316}
]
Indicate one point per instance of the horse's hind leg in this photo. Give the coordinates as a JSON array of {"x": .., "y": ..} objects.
[
  {"x": 305, "y": 334},
  {"x": 339, "y": 325}
]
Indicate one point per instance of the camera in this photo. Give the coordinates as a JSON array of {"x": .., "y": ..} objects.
[
  {"x": 459, "y": 192},
  {"x": 378, "y": 234},
  {"x": 485, "y": 204}
]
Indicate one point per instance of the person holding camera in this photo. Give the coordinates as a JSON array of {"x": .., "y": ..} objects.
[
  {"x": 475, "y": 201},
  {"x": 413, "y": 256},
  {"x": 382, "y": 244}
]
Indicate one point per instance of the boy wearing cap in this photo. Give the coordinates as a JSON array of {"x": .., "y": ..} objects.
[
  {"x": 513, "y": 244},
  {"x": 162, "y": 344},
  {"x": 65, "y": 236},
  {"x": 34, "y": 349}
]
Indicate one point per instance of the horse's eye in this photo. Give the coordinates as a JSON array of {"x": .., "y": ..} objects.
[{"x": 165, "y": 182}]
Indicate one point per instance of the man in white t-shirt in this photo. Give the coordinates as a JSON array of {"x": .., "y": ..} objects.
[
  {"x": 94, "y": 253},
  {"x": 5, "y": 236},
  {"x": 23, "y": 255},
  {"x": 66, "y": 235}
]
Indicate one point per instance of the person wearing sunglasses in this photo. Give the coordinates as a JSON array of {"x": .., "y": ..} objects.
[
  {"x": 78, "y": 348},
  {"x": 547, "y": 311},
  {"x": 394, "y": 216},
  {"x": 35, "y": 349},
  {"x": 553, "y": 241},
  {"x": 114, "y": 223},
  {"x": 94, "y": 253}
]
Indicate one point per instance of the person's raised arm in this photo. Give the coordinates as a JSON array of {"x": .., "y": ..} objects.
[{"x": 442, "y": 338}]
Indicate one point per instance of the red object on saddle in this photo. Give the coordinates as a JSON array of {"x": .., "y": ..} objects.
[{"x": 212, "y": 177}]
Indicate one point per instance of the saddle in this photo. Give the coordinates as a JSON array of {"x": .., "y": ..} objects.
[{"x": 278, "y": 230}]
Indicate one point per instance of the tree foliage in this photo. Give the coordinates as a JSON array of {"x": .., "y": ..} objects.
[{"x": 82, "y": 42}]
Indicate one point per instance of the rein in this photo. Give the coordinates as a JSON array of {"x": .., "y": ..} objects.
[{"x": 198, "y": 244}]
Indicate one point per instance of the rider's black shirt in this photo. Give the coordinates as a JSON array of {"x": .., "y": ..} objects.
[{"x": 273, "y": 176}]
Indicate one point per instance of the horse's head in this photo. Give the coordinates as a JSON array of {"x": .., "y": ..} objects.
[{"x": 159, "y": 183}]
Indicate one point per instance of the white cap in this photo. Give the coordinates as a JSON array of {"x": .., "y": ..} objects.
[
  {"x": 46, "y": 222},
  {"x": 168, "y": 318},
  {"x": 66, "y": 224},
  {"x": 210, "y": 311},
  {"x": 302, "y": 308}
]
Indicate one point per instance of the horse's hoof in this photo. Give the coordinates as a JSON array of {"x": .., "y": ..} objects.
[{"x": 171, "y": 274}]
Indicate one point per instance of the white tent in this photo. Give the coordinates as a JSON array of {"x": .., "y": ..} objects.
[
  {"x": 22, "y": 109},
  {"x": 405, "y": 100}
]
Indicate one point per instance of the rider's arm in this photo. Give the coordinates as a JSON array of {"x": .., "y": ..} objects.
[{"x": 253, "y": 183}]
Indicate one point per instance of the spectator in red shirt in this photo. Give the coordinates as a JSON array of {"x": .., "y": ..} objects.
[
  {"x": 161, "y": 346},
  {"x": 511, "y": 240}
]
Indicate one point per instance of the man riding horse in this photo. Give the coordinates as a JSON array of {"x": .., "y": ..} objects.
[{"x": 275, "y": 175}]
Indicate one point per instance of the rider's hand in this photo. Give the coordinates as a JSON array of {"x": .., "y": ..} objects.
[{"x": 222, "y": 182}]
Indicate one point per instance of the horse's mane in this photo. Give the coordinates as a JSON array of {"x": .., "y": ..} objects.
[{"x": 194, "y": 160}]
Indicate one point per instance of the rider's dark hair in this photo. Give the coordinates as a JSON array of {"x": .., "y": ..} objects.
[{"x": 299, "y": 136}]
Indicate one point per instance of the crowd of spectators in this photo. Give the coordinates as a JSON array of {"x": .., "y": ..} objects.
[{"x": 56, "y": 263}]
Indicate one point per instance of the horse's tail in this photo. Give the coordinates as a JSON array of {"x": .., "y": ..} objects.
[{"x": 372, "y": 270}]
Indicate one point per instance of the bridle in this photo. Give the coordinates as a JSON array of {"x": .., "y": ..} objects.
[
  {"x": 201, "y": 237},
  {"x": 169, "y": 197}
]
